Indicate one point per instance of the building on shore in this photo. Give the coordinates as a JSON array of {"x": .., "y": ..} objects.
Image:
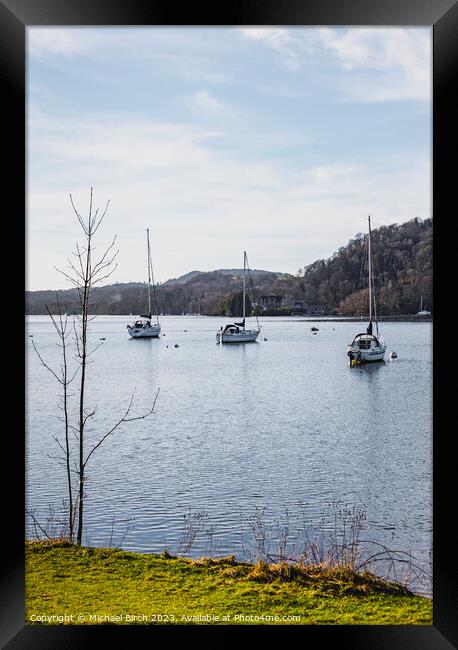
[
  {"x": 270, "y": 301},
  {"x": 274, "y": 302}
]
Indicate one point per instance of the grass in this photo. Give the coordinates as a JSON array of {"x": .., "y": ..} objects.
[{"x": 110, "y": 585}]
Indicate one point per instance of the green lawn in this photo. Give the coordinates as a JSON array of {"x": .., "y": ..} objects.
[{"x": 64, "y": 582}]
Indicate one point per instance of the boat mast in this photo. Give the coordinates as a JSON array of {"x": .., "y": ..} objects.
[
  {"x": 370, "y": 277},
  {"x": 149, "y": 273},
  {"x": 244, "y": 274}
]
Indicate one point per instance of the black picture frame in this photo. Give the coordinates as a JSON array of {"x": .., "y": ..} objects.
[{"x": 442, "y": 16}]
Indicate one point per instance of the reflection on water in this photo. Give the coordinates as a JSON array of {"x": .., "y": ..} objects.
[{"x": 266, "y": 424}]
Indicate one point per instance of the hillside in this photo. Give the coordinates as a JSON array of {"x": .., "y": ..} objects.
[
  {"x": 402, "y": 257},
  {"x": 195, "y": 292},
  {"x": 403, "y": 269}
]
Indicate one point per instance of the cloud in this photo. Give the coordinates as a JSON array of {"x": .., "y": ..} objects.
[
  {"x": 378, "y": 64},
  {"x": 202, "y": 102},
  {"x": 180, "y": 51},
  {"x": 400, "y": 58},
  {"x": 203, "y": 206},
  {"x": 279, "y": 39},
  {"x": 45, "y": 42}
]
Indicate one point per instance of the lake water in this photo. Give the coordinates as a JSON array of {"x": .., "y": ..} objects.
[{"x": 242, "y": 433}]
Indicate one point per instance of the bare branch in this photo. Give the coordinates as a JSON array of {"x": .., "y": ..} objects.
[
  {"x": 94, "y": 350},
  {"x": 106, "y": 276},
  {"x": 107, "y": 250},
  {"x": 45, "y": 364},
  {"x": 75, "y": 283},
  {"x": 101, "y": 218},
  {"x": 80, "y": 219},
  {"x": 59, "y": 443},
  {"x": 36, "y": 523},
  {"x": 78, "y": 274},
  {"x": 89, "y": 415},
  {"x": 125, "y": 418}
]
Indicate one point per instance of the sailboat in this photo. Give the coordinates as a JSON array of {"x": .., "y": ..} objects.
[
  {"x": 143, "y": 328},
  {"x": 236, "y": 332},
  {"x": 423, "y": 312},
  {"x": 368, "y": 347}
]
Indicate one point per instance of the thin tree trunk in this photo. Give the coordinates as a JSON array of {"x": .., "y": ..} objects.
[
  {"x": 67, "y": 445},
  {"x": 84, "y": 316}
]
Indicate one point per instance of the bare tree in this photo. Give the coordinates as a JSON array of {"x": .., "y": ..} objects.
[
  {"x": 84, "y": 272},
  {"x": 65, "y": 378}
]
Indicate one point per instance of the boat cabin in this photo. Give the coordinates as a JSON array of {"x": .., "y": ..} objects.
[
  {"x": 365, "y": 342},
  {"x": 231, "y": 329},
  {"x": 142, "y": 323}
]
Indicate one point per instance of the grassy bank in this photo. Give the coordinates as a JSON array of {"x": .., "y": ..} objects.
[{"x": 110, "y": 585}]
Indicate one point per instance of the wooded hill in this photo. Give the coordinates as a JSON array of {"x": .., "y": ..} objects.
[
  {"x": 403, "y": 266},
  {"x": 403, "y": 272}
]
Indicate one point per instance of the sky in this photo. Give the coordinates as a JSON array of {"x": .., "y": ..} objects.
[{"x": 278, "y": 141}]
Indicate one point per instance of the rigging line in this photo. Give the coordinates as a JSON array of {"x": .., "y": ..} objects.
[
  {"x": 375, "y": 281},
  {"x": 362, "y": 270},
  {"x": 252, "y": 290},
  {"x": 377, "y": 284},
  {"x": 155, "y": 296},
  {"x": 364, "y": 265},
  {"x": 374, "y": 286},
  {"x": 151, "y": 280},
  {"x": 229, "y": 304},
  {"x": 149, "y": 271},
  {"x": 372, "y": 276},
  {"x": 375, "y": 304},
  {"x": 369, "y": 279}
]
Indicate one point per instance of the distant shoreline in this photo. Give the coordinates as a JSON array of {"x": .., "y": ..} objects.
[
  {"x": 385, "y": 319},
  {"x": 300, "y": 319}
]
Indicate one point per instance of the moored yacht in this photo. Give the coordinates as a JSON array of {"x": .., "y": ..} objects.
[
  {"x": 367, "y": 347},
  {"x": 423, "y": 312},
  {"x": 236, "y": 332},
  {"x": 143, "y": 327}
]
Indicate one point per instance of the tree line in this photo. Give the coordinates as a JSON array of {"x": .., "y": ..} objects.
[
  {"x": 402, "y": 261},
  {"x": 403, "y": 272}
]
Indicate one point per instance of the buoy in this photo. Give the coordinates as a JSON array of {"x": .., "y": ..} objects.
[
  {"x": 102, "y": 339},
  {"x": 31, "y": 335},
  {"x": 176, "y": 345},
  {"x": 265, "y": 339},
  {"x": 166, "y": 346},
  {"x": 394, "y": 355},
  {"x": 185, "y": 330}
]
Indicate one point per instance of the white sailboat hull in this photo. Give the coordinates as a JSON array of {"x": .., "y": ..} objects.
[
  {"x": 245, "y": 336},
  {"x": 367, "y": 356},
  {"x": 152, "y": 332}
]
